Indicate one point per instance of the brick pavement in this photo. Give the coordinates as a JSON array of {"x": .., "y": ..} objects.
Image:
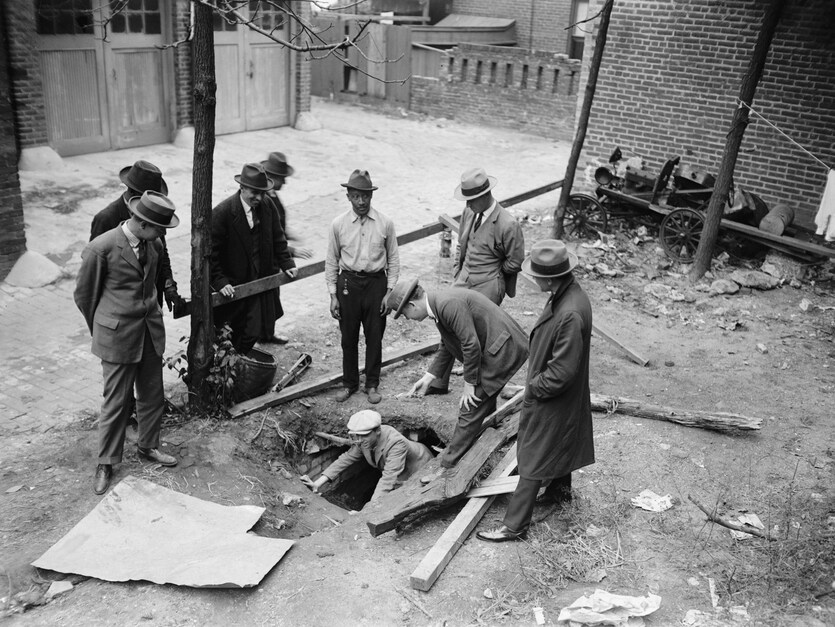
[{"x": 48, "y": 377}]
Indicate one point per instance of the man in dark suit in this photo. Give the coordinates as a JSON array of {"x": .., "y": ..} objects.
[
  {"x": 140, "y": 177},
  {"x": 477, "y": 332},
  {"x": 248, "y": 243},
  {"x": 555, "y": 428},
  {"x": 116, "y": 293}
]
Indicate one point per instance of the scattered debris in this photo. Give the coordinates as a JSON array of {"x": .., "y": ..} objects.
[
  {"x": 747, "y": 519},
  {"x": 14, "y": 488},
  {"x": 539, "y": 615},
  {"x": 762, "y": 348},
  {"x": 712, "y": 516},
  {"x": 723, "y": 286},
  {"x": 608, "y": 609},
  {"x": 652, "y": 502},
  {"x": 58, "y": 587},
  {"x": 754, "y": 279},
  {"x": 291, "y": 500}
]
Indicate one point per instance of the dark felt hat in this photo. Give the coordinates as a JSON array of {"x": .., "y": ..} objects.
[
  {"x": 549, "y": 259},
  {"x": 276, "y": 165},
  {"x": 400, "y": 295},
  {"x": 254, "y": 177},
  {"x": 143, "y": 176},
  {"x": 359, "y": 180}
]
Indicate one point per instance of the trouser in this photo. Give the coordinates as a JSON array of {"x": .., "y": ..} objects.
[
  {"x": 494, "y": 289},
  {"x": 520, "y": 509},
  {"x": 119, "y": 380},
  {"x": 468, "y": 428},
  {"x": 360, "y": 306}
]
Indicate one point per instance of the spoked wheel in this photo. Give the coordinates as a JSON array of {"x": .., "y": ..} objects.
[
  {"x": 585, "y": 217},
  {"x": 680, "y": 232}
]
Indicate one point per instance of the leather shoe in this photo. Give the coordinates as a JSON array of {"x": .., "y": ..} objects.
[
  {"x": 440, "y": 473},
  {"x": 156, "y": 455},
  {"x": 547, "y": 499},
  {"x": 276, "y": 339},
  {"x": 104, "y": 472},
  {"x": 344, "y": 394},
  {"x": 430, "y": 391},
  {"x": 373, "y": 396},
  {"x": 502, "y": 534}
]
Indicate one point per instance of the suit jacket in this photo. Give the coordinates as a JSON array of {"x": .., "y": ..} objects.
[
  {"x": 480, "y": 334},
  {"x": 498, "y": 247},
  {"x": 555, "y": 426},
  {"x": 397, "y": 456},
  {"x": 232, "y": 243},
  {"x": 112, "y": 216},
  {"x": 118, "y": 298}
]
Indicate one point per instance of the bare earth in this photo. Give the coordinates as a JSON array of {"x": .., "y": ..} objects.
[{"x": 756, "y": 353}]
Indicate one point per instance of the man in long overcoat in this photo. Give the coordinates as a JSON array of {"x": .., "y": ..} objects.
[
  {"x": 480, "y": 334},
  {"x": 555, "y": 428},
  {"x": 247, "y": 244}
]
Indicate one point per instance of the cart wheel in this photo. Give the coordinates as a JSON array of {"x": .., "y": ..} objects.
[
  {"x": 585, "y": 217},
  {"x": 680, "y": 232}
]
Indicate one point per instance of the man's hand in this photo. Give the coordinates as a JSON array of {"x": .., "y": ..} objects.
[
  {"x": 292, "y": 272},
  {"x": 335, "y": 307},
  {"x": 300, "y": 252},
  {"x": 422, "y": 384},
  {"x": 172, "y": 298},
  {"x": 384, "y": 310},
  {"x": 227, "y": 290},
  {"x": 468, "y": 399},
  {"x": 314, "y": 485}
]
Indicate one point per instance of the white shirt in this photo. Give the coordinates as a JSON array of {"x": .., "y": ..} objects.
[
  {"x": 248, "y": 213},
  {"x": 132, "y": 239}
]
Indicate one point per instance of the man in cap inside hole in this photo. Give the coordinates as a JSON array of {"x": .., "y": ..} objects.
[
  {"x": 116, "y": 293},
  {"x": 362, "y": 266},
  {"x": 555, "y": 427},
  {"x": 248, "y": 243},
  {"x": 480, "y": 334},
  {"x": 382, "y": 447}
]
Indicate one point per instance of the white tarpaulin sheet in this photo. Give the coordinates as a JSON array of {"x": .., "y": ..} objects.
[{"x": 142, "y": 531}]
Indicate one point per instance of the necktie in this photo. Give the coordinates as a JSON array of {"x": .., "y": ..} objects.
[
  {"x": 255, "y": 219},
  {"x": 477, "y": 224},
  {"x": 142, "y": 252}
]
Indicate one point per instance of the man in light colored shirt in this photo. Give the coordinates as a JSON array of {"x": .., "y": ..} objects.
[{"x": 361, "y": 268}]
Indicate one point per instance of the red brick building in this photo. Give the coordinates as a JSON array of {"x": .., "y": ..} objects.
[{"x": 671, "y": 74}]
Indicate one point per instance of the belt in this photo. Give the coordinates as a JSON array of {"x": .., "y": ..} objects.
[{"x": 363, "y": 273}]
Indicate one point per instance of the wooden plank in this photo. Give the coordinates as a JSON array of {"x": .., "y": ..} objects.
[
  {"x": 271, "y": 399},
  {"x": 434, "y": 562},
  {"x": 494, "y": 487},
  {"x": 515, "y": 200},
  {"x": 414, "y": 498},
  {"x": 449, "y": 223},
  {"x": 606, "y": 335}
]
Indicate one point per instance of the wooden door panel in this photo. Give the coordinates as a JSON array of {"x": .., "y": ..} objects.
[
  {"x": 139, "y": 95},
  {"x": 266, "y": 101},
  {"x": 229, "y": 116}
]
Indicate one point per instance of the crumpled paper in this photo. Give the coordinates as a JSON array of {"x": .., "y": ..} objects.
[
  {"x": 605, "y": 608},
  {"x": 747, "y": 519},
  {"x": 652, "y": 502}
]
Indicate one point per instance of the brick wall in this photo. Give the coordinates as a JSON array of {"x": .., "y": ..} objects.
[
  {"x": 672, "y": 71},
  {"x": 183, "y": 98},
  {"x": 535, "y": 92},
  {"x": 12, "y": 231},
  {"x": 540, "y": 24},
  {"x": 30, "y": 112}
]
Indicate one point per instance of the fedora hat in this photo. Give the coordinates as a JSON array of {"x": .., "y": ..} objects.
[
  {"x": 254, "y": 177},
  {"x": 364, "y": 422},
  {"x": 474, "y": 183},
  {"x": 359, "y": 180},
  {"x": 276, "y": 164},
  {"x": 549, "y": 259},
  {"x": 154, "y": 208},
  {"x": 400, "y": 295},
  {"x": 143, "y": 176}
]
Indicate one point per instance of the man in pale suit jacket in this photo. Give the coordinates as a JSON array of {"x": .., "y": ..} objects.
[
  {"x": 116, "y": 292},
  {"x": 480, "y": 334}
]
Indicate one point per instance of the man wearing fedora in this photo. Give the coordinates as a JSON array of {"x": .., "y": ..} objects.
[
  {"x": 140, "y": 177},
  {"x": 362, "y": 266},
  {"x": 380, "y": 446},
  {"x": 116, "y": 293},
  {"x": 555, "y": 428},
  {"x": 480, "y": 334},
  {"x": 278, "y": 170},
  {"x": 491, "y": 244},
  {"x": 248, "y": 243}
]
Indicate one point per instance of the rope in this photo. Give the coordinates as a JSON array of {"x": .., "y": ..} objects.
[{"x": 751, "y": 109}]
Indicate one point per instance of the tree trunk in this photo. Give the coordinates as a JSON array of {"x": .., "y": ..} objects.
[
  {"x": 716, "y": 207},
  {"x": 202, "y": 329},
  {"x": 583, "y": 121}
]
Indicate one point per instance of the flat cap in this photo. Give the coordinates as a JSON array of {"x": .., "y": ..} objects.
[{"x": 364, "y": 422}]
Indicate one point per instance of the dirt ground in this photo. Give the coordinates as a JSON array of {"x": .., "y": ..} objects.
[{"x": 759, "y": 353}]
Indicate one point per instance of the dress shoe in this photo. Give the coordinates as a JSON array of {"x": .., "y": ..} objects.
[
  {"x": 502, "y": 534},
  {"x": 344, "y": 394},
  {"x": 156, "y": 455},
  {"x": 430, "y": 391},
  {"x": 548, "y": 499},
  {"x": 373, "y": 396},
  {"x": 276, "y": 339},
  {"x": 440, "y": 473},
  {"x": 104, "y": 473}
]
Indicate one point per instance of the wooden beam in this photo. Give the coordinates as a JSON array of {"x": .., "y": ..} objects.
[
  {"x": 607, "y": 335},
  {"x": 716, "y": 421},
  {"x": 414, "y": 498},
  {"x": 494, "y": 487},
  {"x": 271, "y": 399},
  {"x": 434, "y": 562},
  {"x": 449, "y": 223},
  {"x": 515, "y": 200}
]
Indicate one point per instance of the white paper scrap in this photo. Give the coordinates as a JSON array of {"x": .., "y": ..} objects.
[
  {"x": 652, "y": 502},
  {"x": 609, "y": 609}
]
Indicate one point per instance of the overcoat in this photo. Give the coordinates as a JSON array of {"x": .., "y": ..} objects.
[
  {"x": 118, "y": 298},
  {"x": 478, "y": 333},
  {"x": 232, "y": 260},
  {"x": 497, "y": 248},
  {"x": 394, "y": 454},
  {"x": 555, "y": 426}
]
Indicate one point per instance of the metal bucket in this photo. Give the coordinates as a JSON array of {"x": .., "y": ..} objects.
[{"x": 256, "y": 376}]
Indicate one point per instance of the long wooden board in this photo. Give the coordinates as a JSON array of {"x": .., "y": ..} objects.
[
  {"x": 434, "y": 562},
  {"x": 494, "y": 487},
  {"x": 607, "y": 335},
  {"x": 271, "y": 399}
]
